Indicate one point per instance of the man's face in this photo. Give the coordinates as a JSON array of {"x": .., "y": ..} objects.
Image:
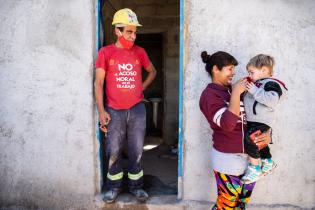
[{"x": 129, "y": 33}]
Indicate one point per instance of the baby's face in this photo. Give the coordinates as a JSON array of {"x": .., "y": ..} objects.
[{"x": 255, "y": 73}]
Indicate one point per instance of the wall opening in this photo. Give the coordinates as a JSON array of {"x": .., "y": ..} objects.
[
  {"x": 159, "y": 36},
  {"x": 159, "y": 159}
]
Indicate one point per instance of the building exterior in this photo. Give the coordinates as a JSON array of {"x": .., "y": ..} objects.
[{"x": 49, "y": 151}]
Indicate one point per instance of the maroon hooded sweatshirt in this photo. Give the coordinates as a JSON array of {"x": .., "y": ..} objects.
[{"x": 228, "y": 128}]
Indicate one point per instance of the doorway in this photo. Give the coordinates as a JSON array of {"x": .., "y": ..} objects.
[
  {"x": 159, "y": 36},
  {"x": 159, "y": 159}
]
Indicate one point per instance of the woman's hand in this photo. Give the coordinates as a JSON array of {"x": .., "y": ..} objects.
[
  {"x": 240, "y": 86},
  {"x": 263, "y": 140}
]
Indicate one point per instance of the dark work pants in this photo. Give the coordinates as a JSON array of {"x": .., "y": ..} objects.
[
  {"x": 250, "y": 147},
  {"x": 126, "y": 126}
]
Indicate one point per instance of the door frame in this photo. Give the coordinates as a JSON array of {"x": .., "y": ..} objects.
[{"x": 180, "y": 99}]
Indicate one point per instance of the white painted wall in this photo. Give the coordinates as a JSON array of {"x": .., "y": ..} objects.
[
  {"x": 285, "y": 30},
  {"x": 47, "y": 138},
  {"x": 47, "y": 134}
]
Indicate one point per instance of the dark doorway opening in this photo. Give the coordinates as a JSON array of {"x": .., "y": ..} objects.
[
  {"x": 159, "y": 160},
  {"x": 154, "y": 94}
]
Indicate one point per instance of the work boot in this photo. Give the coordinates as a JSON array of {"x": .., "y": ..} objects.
[
  {"x": 111, "y": 195},
  {"x": 140, "y": 194},
  {"x": 214, "y": 207}
]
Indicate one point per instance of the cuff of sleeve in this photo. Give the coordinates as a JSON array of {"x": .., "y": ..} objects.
[
  {"x": 100, "y": 67},
  {"x": 253, "y": 90},
  {"x": 147, "y": 66}
]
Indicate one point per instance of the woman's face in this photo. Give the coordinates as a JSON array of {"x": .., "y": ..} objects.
[{"x": 225, "y": 76}]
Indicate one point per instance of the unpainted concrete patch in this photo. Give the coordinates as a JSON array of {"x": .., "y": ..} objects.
[
  {"x": 14, "y": 208},
  {"x": 125, "y": 207}
]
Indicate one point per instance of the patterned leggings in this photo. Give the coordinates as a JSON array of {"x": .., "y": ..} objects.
[{"x": 232, "y": 194}]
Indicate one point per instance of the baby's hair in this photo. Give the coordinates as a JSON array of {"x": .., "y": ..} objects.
[
  {"x": 262, "y": 60},
  {"x": 220, "y": 59}
]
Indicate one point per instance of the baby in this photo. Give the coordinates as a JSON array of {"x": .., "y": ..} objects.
[{"x": 263, "y": 94}]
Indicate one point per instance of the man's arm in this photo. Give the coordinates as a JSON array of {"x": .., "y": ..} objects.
[
  {"x": 151, "y": 75},
  {"x": 99, "y": 96}
]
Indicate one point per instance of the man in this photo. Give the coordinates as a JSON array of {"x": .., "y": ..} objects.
[{"x": 123, "y": 120}]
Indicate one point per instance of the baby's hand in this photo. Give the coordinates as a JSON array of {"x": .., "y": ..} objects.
[{"x": 249, "y": 85}]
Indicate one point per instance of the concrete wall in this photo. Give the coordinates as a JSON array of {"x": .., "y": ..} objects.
[
  {"x": 47, "y": 133},
  {"x": 48, "y": 151},
  {"x": 284, "y": 29}
]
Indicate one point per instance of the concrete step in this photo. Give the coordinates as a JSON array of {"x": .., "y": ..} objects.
[
  {"x": 204, "y": 205},
  {"x": 169, "y": 202},
  {"x": 126, "y": 201}
]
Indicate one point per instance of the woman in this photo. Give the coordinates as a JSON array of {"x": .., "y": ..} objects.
[{"x": 222, "y": 106}]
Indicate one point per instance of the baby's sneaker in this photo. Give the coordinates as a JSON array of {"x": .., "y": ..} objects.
[
  {"x": 268, "y": 165},
  {"x": 252, "y": 174}
]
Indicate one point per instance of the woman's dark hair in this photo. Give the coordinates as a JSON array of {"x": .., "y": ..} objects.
[{"x": 220, "y": 59}]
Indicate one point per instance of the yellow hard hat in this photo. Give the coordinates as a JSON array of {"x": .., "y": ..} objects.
[{"x": 125, "y": 17}]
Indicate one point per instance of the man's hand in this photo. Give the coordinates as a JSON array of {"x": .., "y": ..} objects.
[
  {"x": 104, "y": 120},
  {"x": 99, "y": 94},
  {"x": 262, "y": 140}
]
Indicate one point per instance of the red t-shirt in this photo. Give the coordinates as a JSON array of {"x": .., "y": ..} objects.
[{"x": 123, "y": 74}]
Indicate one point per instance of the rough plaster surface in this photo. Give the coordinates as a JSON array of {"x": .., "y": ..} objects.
[
  {"x": 46, "y": 99},
  {"x": 46, "y": 116},
  {"x": 284, "y": 29}
]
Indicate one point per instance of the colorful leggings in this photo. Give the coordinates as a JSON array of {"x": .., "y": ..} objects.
[{"x": 232, "y": 194}]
